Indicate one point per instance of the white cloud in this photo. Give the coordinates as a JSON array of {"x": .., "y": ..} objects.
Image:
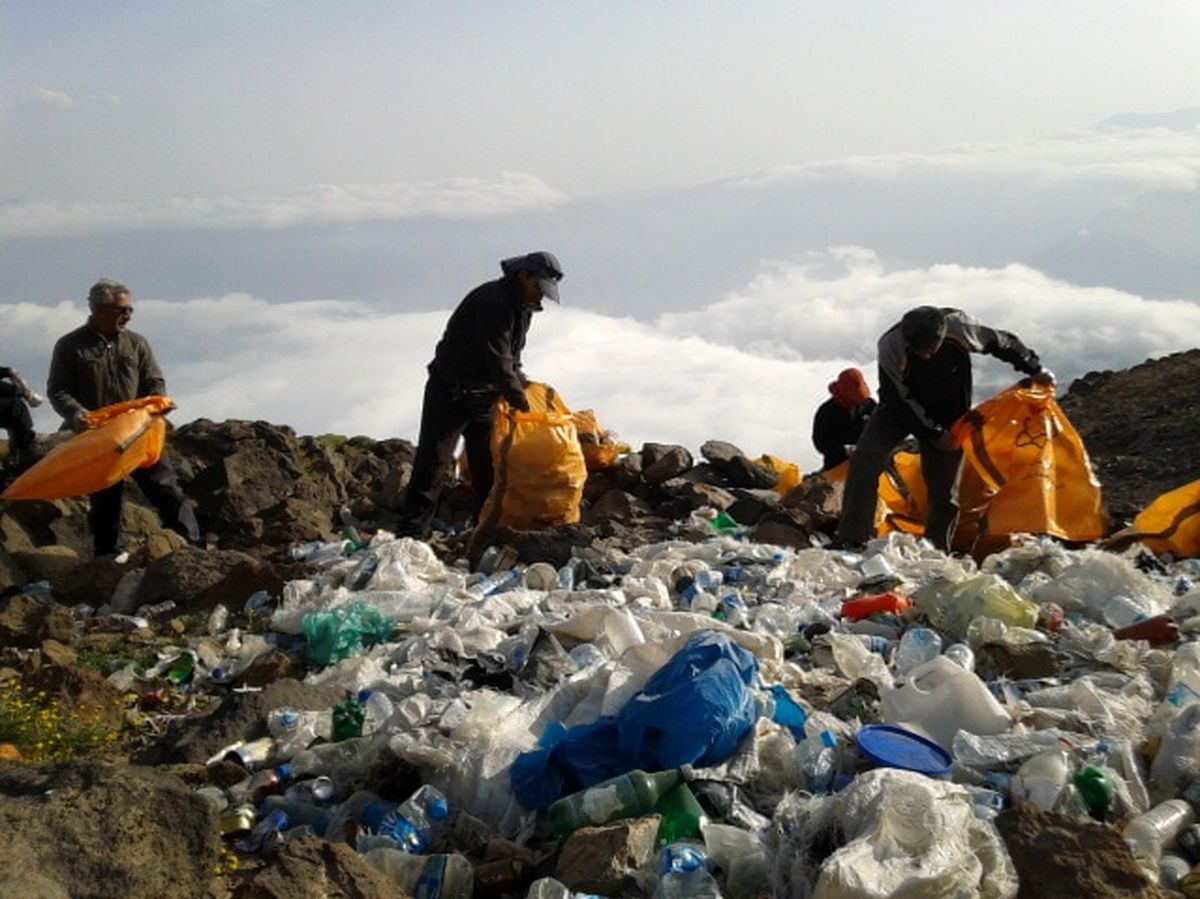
[
  {"x": 50, "y": 97},
  {"x": 324, "y": 204},
  {"x": 750, "y": 369},
  {"x": 1151, "y": 159}
]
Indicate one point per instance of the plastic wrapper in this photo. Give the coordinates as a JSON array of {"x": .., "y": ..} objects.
[{"x": 898, "y": 833}]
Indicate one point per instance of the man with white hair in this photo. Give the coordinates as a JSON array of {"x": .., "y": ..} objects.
[{"x": 101, "y": 363}]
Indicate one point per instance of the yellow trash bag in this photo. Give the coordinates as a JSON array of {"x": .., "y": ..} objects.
[
  {"x": 1170, "y": 524},
  {"x": 1032, "y": 462},
  {"x": 539, "y": 465},
  {"x": 599, "y": 451},
  {"x": 787, "y": 472},
  {"x": 1026, "y": 471},
  {"x": 120, "y": 438}
]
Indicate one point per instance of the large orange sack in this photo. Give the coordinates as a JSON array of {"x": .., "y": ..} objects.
[
  {"x": 1026, "y": 471},
  {"x": 538, "y": 463},
  {"x": 121, "y": 438}
]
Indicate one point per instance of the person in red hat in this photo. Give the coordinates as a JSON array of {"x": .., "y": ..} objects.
[{"x": 841, "y": 418}]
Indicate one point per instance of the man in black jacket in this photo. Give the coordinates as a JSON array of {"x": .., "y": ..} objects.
[
  {"x": 15, "y": 399},
  {"x": 477, "y": 360},
  {"x": 839, "y": 421},
  {"x": 96, "y": 365},
  {"x": 924, "y": 386}
]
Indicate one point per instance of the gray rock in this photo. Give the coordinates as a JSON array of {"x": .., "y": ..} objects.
[
  {"x": 752, "y": 505},
  {"x": 615, "y": 504},
  {"x": 671, "y": 463}
]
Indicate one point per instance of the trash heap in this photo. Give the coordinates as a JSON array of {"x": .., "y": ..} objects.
[{"x": 729, "y": 718}]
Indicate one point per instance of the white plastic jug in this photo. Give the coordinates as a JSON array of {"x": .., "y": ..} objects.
[{"x": 939, "y": 698}]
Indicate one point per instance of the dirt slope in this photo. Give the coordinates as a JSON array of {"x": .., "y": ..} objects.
[{"x": 1140, "y": 428}]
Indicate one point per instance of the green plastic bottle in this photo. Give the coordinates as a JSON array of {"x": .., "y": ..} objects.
[
  {"x": 627, "y": 796},
  {"x": 348, "y": 719},
  {"x": 1096, "y": 789},
  {"x": 681, "y": 815}
]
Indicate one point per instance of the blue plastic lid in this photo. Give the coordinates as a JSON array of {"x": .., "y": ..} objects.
[{"x": 895, "y": 747}]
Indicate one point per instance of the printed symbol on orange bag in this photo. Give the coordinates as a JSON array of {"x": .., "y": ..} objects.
[{"x": 1027, "y": 438}]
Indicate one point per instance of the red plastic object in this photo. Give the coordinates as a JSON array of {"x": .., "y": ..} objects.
[
  {"x": 1160, "y": 630},
  {"x": 861, "y": 606}
]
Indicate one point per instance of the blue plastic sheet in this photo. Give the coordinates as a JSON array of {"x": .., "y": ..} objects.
[{"x": 694, "y": 710}]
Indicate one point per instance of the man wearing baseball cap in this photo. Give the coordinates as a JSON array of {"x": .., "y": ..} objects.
[{"x": 477, "y": 360}]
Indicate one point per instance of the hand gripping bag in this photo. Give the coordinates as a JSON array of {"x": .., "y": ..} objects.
[
  {"x": 120, "y": 438},
  {"x": 539, "y": 466}
]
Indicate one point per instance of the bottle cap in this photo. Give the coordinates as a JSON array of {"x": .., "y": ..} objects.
[
  {"x": 364, "y": 695},
  {"x": 284, "y": 771},
  {"x": 439, "y": 809}
]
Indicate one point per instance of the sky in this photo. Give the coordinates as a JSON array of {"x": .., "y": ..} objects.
[{"x": 743, "y": 195}]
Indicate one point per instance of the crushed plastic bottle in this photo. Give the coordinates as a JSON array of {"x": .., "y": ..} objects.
[
  {"x": 683, "y": 873},
  {"x": 917, "y": 646}
]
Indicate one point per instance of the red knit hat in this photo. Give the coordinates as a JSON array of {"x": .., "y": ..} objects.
[{"x": 850, "y": 389}]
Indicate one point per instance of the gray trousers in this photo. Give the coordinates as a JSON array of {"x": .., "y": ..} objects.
[{"x": 942, "y": 472}]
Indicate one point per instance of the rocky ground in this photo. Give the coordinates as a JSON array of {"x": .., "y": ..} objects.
[{"x": 104, "y": 804}]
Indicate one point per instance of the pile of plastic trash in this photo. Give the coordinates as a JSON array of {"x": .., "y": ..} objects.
[{"x": 748, "y": 720}]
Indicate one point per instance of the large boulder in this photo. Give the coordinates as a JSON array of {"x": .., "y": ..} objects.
[
  {"x": 197, "y": 579},
  {"x": 95, "y": 829},
  {"x": 735, "y": 467},
  {"x": 312, "y": 868}
]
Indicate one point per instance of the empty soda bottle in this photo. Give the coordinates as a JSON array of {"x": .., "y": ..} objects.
[{"x": 627, "y": 796}]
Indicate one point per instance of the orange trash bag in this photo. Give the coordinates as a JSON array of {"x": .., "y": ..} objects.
[
  {"x": 539, "y": 465},
  {"x": 788, "y": 473},
  {"x": 1026, "y": 471},
  {"x": 121, "y": 438},
  {"x": 1170, "y": 524},
  {"x": 599, "y": 451}
]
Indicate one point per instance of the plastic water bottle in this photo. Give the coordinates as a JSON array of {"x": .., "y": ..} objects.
[
  {"x": 410, "y": 824},
  {"x": 495, "y": 583},
  {"x": 918, "y": 646},
  {"x": 683, "y": 873},
  {"x": 379, "y": 710},
  {"x": 363, "y": 571},
  {"x": 300, "y": 814},
  {"x": 961, "y": 655},
  {"x": 218, "y": 618},
  {"x": 1120, "y": 611},
  {"x": 425, "y": 877},
  {"x": 565, "y": 579},
  {"x": 296, "y": 730},
  {"x": 1150, "y": 831},
  {"x": 428, "y": 808},
  {"x": 708, "y": 580},
  {"x": 265, "y": 833},
  {"x": 817, "y": 760}
]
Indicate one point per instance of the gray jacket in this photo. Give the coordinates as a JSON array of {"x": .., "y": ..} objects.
[{"x": 88, "y": 371}]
